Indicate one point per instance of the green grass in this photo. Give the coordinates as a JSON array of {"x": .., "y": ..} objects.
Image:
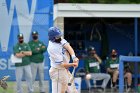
[{"x": 12, "y": 87}]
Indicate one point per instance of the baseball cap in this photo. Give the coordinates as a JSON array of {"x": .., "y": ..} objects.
[
  {"x": 34, "y": 33},
  {"x": 20, "y": 35},
  {"x": 114, "y": 51}
]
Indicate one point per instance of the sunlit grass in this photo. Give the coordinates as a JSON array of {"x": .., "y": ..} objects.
[{"x": 12, "y": 87}]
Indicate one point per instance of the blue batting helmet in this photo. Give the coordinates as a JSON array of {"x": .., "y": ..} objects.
[{"x": 54, "y": 33}]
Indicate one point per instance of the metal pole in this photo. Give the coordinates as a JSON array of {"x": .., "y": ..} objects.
[{"x": 121, "y": 76}]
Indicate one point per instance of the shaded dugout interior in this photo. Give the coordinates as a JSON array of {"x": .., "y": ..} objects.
[{"x": 104, "y": 34}]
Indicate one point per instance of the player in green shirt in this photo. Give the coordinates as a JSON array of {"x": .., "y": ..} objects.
[
  {"x": 112, "y": 65},
  {"x": 22, "y": 50},
  {"x": 38, "y": 48},
  {"x": 93, "y": 68}
]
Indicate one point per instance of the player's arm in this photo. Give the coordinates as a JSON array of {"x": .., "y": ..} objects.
[
  {"x": 67, "y": 65},
  {"x": 28, "y": 51},
  {"x": 98, "y": 58},
  {"x": 71, "y": 51},
  {"x": 33, "y": 49},
  {"x": 20, "y": 55},
  {"x": 17, "y": 53},
  {"x": 43, "y": 48}
]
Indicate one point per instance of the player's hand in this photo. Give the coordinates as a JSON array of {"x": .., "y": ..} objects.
[
  {"x": 37, "y": 49},
  {"x": 95, "y": 55},
  {"x": 75, "y": 65},
  {"x": 75, "y": 60},
  {"x": 43, "y": 47},
  {"x": 21, "y": 54}
]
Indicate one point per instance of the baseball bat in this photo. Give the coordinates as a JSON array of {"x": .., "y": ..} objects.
[{"x": 72, "y": 78}]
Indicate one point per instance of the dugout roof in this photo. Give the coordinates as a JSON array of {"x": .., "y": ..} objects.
[{"x": 96, "y": 10}]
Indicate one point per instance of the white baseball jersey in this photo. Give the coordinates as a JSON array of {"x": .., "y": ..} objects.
[{"x": 56, "y": 53}]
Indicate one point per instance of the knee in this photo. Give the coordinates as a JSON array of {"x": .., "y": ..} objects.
[
  {"x": 41, "y": 71},
  {"x": 128, "y": 75},
  {"x": 29, "y": 76}
]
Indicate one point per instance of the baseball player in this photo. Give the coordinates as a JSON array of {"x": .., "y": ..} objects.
[
  {"x": 22, "y": 50},
  {"x": 38, "y": 48},
  {"x": 112, "y": 65},
  {"x": 58, "y": 71},
  {"x": 93, "y": 68}
]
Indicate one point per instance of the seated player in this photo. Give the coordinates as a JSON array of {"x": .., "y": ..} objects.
[
  {"x": 112, "y": 65},
  {"x": 93, "y": 69}
]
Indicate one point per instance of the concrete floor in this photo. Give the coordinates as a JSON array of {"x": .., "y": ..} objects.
[{"x": 107, "y": 91}]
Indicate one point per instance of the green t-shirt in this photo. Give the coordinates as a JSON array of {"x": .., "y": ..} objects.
[
  {"x": 22, "y": 47},
  {"x": 37, "y": 55},
  {"x": 110, "y": 61},
  {"x": 90, "y": 65}
]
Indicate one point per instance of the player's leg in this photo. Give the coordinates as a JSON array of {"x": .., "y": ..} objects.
[
  {"x": 34, "y": 71},
  {"x": 105, "y": 78},
  {"x": 54, "y": 87},
  {"x": 58, "y": 87},
  {"x": 19, "y": 74},
  {"x": 63, "y": 80},
  {"x": 128, "y": 77},
  {"x": 88, "y": 83},
  {"x": 28, "y": 77},
  {"x": 59, "y": 80},
  {"x": 115, "y": 75},
  {"x": 41, "y": 77}
]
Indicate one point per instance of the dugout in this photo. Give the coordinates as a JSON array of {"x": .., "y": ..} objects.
[{"x": 105, "y": 26}]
